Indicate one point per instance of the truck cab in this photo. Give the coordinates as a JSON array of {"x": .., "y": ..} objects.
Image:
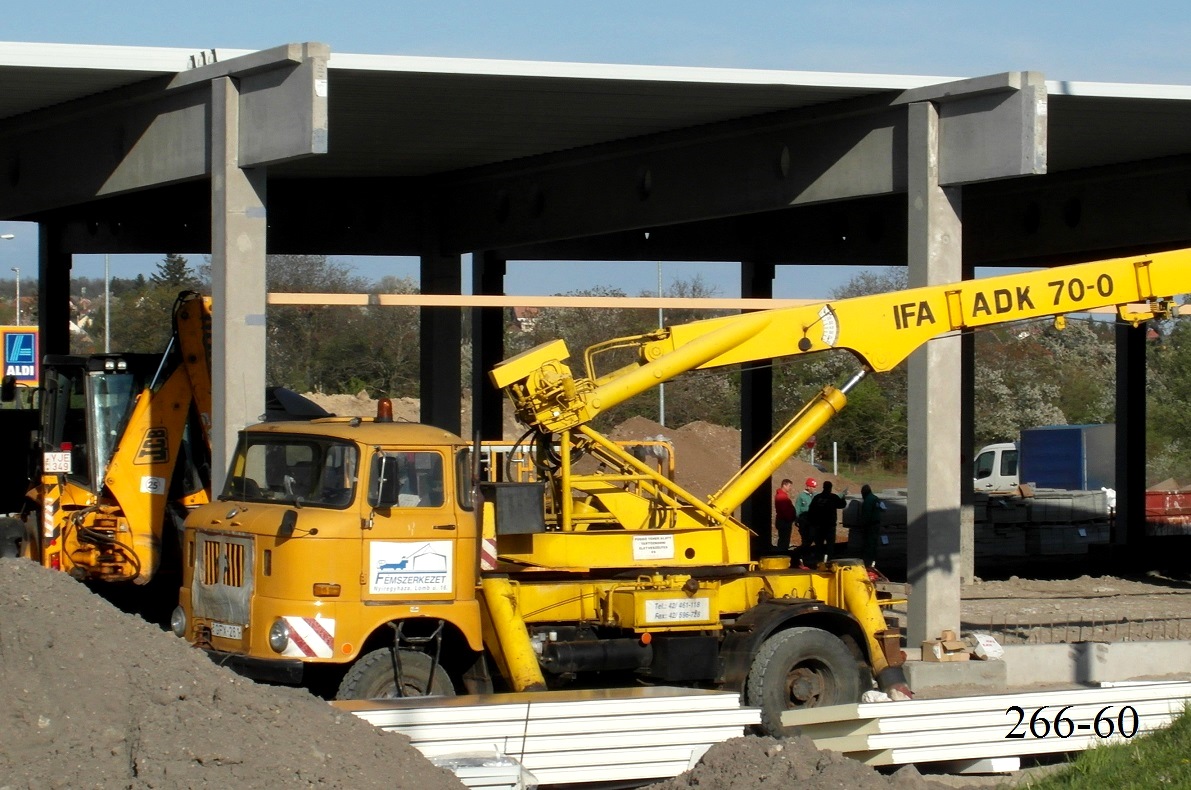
[
  {"x": 995, "y": 467},
  {"x": 326, "y": 531}
]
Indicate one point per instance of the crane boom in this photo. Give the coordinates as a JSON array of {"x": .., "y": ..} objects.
[{"x": 881, "y": 330}]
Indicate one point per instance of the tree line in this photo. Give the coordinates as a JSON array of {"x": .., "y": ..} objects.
[{"x": 1026, "y": 373}]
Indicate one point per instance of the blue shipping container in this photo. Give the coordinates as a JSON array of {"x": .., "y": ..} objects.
[{"x": 1071, "y": 457}]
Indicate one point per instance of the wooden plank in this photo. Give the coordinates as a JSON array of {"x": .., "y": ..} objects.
[
  {"x": 617, "y": 773},
  {"x": 466, "y": 300},
  {"x": 530, "y": 727},
  {"x": 933, "y": 707},
  {"x": 1085, "y": 713},
  {"x": 990, "y": 749},
  {"x": 992, "y": 765},
  {"x": 997, "y": 729},
  {"x": 562, "y": 737},
  {"x": 612, "y": 744}
]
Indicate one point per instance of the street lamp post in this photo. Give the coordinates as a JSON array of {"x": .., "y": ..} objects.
[
  {"x": 10, "y": 237},
  {"x": 18, "y": 274}
]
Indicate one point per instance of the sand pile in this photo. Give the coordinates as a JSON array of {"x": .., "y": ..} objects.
[{"x": 99, "y": 698}]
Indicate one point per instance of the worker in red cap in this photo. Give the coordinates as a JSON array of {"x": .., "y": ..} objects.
[{"x": 801, "y": 503}]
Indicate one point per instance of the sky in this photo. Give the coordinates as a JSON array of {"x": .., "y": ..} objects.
[{"x": 1095, "y": 40}]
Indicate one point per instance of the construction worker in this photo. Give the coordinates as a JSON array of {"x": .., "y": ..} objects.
[
  {"x": 823, "y": 516},
  {"x": 783, "y": 514},
  {"x": 801, "y": 504},
  {"x": 870, "y": 522}
]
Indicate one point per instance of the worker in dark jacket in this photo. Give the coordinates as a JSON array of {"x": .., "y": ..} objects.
[
  {"x": 801, "y": 503},
  {"x": 870, "y": 523},
  {"x": 823, "y": 517}
]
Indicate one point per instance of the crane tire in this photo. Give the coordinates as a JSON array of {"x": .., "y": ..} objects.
[
  {"x": 374, "y": 676},
  {"x": 800, "y": 668}
]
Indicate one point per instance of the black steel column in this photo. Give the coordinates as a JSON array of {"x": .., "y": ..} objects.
[
  {"x": 441, "y": 339},
  {"x": 756, "y": 414},
  {"x": 1129, "y": 528},
  {"x": 487, "y": 342},
  {"x": 53, "y": 293}
]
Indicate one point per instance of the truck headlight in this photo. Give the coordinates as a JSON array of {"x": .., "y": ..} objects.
[
  {"x": 279, "y": 635},
  {"x": 178, "y": 622}
]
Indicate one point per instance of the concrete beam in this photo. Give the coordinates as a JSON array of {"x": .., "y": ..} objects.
[
  {"x": 722, "y": 170},
  {"x": 990, "y": 128},
  {"x": 157, "y": 133}
]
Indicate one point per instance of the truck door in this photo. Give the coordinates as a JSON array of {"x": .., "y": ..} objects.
[{"x": 411, "y": 549}]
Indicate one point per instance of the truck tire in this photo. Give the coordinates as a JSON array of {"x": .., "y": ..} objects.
[
  {"x": 800, "y": 668},
  {"x": 374, "y": 676}
]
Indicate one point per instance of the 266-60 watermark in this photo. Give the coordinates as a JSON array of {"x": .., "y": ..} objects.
[{"x": 1124, "y": 722}]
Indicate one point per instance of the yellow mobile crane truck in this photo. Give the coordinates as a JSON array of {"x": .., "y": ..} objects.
[{"x": 360, "y": 557}]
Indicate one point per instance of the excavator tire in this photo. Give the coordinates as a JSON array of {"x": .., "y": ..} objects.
[
  {"x": 374, "y": 676},
  {"x": 800, "y": 668},
  {"x": 12, "y": 535}
]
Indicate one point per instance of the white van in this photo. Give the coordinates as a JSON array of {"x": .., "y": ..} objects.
[{"x": 995, "y": 467}]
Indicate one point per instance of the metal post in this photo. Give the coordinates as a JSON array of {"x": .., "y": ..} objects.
[
  {"x": 661, "y": 387},
  {"x": 18, "y": 274},
  {"x": 107, "y": 307}
]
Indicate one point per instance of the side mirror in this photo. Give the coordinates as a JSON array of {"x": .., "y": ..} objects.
[
  {"x": 8, "y": 389},
  {"x": 383, "y": 488},
  {"x": 288, "y": 523}
]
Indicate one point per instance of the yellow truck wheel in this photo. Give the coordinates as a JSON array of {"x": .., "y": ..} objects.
[
  {"x": 375, "y": 676},
  {"x": 800, "y": 668}
]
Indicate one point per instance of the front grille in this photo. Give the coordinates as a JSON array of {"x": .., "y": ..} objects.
[
  {"x": 223, "y": 563},
  {"x": 223, "y": 578}
]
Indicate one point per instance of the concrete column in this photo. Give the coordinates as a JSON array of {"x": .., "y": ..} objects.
[
  {"x": 238, "y": 230},
  {"x": 1129, "y": 527},
  {"x": 935, "y": 447},
  {"x": 487, "y": 342},
  {"x": 441, "y": 338},
  {"x": 756, "y": 413},
  {"x": 967, "y": 442},
  {"x": 53, "y": 295}
]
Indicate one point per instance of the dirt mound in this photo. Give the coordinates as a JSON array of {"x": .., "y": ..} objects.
[
  {"x": 707, "y": 455},
  {"x": 751, "y": 763},
  {"x": 99, "y": 698},
  {"x": 362, "y": 405}
]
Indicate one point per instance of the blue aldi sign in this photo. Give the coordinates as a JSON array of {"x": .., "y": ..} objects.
[{"x": 20, "y": 354}]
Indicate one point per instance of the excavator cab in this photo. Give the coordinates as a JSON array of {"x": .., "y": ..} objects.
[{"x": 88, "y": 400}]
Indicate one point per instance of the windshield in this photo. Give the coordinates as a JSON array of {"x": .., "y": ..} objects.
[
  {"x": 83, "y": 414},
  {"x": 111, "y": 402},
  {"x": 300, "y": 470}
]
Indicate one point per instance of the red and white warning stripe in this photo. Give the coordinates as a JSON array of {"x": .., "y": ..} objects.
[
  {"x": 488, "y": 554},
  {"x": 310, "y": 637}
]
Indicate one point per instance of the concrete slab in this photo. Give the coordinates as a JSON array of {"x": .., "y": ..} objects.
[
  {"x": 1095, "y": 662},
  {"x": 1058, "y": 665},
  {"x": 987, "y": 676}
]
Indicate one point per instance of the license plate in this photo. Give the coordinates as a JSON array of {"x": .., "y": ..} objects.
[{"x": 227, "y": 631}]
